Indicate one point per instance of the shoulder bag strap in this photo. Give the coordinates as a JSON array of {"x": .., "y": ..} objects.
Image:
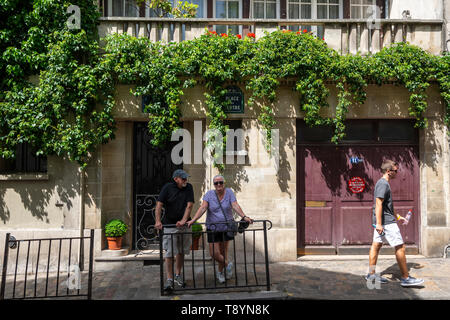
[{"x": 223, "y": 212}]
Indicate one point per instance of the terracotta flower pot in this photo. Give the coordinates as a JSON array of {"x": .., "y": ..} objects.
[
  {"x": 195, "y": 243},
  {"x": 114, "y": 243}
]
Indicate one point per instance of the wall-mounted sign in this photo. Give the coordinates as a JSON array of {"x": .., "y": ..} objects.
[
  {"x": 356, "y": 185},
  {"x": 236, "y": 98},
  {"x": 355, "y": 160}
]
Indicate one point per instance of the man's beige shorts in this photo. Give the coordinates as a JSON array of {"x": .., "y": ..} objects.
[
  {"x": 181, "y": 241},
  {"x": 392, "y": 235}
]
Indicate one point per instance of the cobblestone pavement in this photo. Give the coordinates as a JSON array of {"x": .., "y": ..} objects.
[
  {"x": 305, "y": 279},
  {"x": 344, "y": 279}
]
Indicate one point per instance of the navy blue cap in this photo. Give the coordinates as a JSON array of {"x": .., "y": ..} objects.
[{"x": 180, "y": 173}]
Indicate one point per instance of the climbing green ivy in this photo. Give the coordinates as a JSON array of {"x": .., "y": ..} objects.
[{"x": 70, "y": 111}]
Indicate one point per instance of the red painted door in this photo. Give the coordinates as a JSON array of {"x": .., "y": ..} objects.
[{"x": 330, "y": 214}]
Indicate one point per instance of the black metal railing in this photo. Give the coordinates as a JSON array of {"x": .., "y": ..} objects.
[
  {"x": 250, "y": 263},
  {"x": 57, "y": 268}
]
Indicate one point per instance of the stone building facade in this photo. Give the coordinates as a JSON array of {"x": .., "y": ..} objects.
[{"x": 61, "y": 201}]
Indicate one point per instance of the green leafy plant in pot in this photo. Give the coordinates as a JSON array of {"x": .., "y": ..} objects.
[
  {"x": 197, "y": 230},
  {"x": 114, "y": 230}
]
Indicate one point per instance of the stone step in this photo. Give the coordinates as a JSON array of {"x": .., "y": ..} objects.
[{"x": 154, "y": 255}]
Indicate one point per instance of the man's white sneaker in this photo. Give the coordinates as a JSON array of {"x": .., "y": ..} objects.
[{"x": 411, "y": 282}]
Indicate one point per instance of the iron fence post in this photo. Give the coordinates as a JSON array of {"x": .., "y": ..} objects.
[
  {"x": 266, "y": 253},
  {"x": 91, "y": 264},
  {"x": 5, "y": 266},
  {"x": 161, "y": 261}
]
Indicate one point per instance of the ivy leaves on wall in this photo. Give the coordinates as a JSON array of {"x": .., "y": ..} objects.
[
  {"x": 69, "y": 112},
  {"x": 261, "y": 64}
]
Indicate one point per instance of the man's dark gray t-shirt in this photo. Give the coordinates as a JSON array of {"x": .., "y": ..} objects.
[{"x": 383, "y": 190}]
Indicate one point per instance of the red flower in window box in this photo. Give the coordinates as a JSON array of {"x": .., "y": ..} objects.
[
  {"x": 238, "y": 36},
  {"x": 305, "y": 31},
  {"x": 251, "y": 35},
  {"x": 299, "y": 32},
  {"x": 212, "y": 33},
  {"x": 223, "y": 35}
]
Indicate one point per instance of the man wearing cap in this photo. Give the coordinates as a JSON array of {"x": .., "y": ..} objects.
[{"x": 177, "y": 197}]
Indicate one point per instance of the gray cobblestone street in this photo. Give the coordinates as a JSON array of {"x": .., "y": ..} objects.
[{"x": 312, "y": 278}]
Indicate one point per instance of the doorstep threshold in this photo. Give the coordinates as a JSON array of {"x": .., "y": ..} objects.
[
  {"x": 145, "y": 255},
  {"x": 125, "y": 255}
]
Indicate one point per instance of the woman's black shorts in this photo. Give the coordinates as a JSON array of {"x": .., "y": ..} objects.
[{"x": 220, "y": 236}]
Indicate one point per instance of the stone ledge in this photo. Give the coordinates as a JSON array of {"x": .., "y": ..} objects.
[
  {"x": 125, "y": 255},
  {"x": 134, "y": 255},
  {"x": 24, "y": 177}
]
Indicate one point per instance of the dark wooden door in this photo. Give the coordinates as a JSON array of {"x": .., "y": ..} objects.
[
  {"x": 330, "y": 214},
  {"x": 153, "y": 168}
]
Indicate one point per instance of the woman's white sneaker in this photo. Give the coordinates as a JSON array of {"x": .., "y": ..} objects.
[
  {"x": 229, "y": 271},
  {"x": 220, "y": 277}
]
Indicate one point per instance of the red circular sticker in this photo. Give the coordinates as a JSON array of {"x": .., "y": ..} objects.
[{"x": 356, "y": 185}]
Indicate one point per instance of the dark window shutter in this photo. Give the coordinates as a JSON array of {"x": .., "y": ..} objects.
[
  {"x": 382, "y": 5},
  {"x": 246, "y": 9},
  {"x": 142, "y": 10},
  {"x": 209, "y": 7},
  {"x": 283, "y": 11},
  {"x": 346, "y": 9},
  {"x": 25, "y": 161}
]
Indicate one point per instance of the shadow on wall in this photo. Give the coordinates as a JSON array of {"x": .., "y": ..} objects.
[
  {"x": 336, "y": 169},
  {"x": 236, "y": 174},
  {"x": 36, "y": 198},
  {"x": 39, "y": 197},
  {"x": 287, "y": 142},
  {"x": 4, "y": 211},
  {"x": 433, "y": 148}
]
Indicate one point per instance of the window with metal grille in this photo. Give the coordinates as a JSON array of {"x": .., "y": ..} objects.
[
  {"x": 228, "y": 9},
  {"x": 25, "y": 161},
  {"x": 314, "y": 9},
  {"x": 265, "y": 9},
  {"x": 123, "y": 8},
  {"x": 361, "y": 9}
]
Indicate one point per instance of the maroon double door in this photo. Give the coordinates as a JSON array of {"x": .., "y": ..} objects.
[{"x": 330, "y": 216}]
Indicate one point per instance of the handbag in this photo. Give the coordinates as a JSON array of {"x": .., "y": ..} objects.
[{"x": 232, "y": 226}]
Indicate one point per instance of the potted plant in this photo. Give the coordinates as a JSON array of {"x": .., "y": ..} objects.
[
  {"x": 196, "y": 234},
  {"x": 114, "y": 230}
]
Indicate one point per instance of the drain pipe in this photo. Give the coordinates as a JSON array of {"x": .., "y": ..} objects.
[{"x": 446, "y": 31}]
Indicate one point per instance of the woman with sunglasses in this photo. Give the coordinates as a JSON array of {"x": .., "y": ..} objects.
[{"x": 219, "y": 204}]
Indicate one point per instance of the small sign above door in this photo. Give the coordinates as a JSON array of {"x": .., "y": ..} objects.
[{"x": 236, "y": 97}]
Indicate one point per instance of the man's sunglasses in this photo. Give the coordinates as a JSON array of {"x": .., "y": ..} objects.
[
  {"x": 394, "y": 170},
  {"x": 218, "y": 182}
]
